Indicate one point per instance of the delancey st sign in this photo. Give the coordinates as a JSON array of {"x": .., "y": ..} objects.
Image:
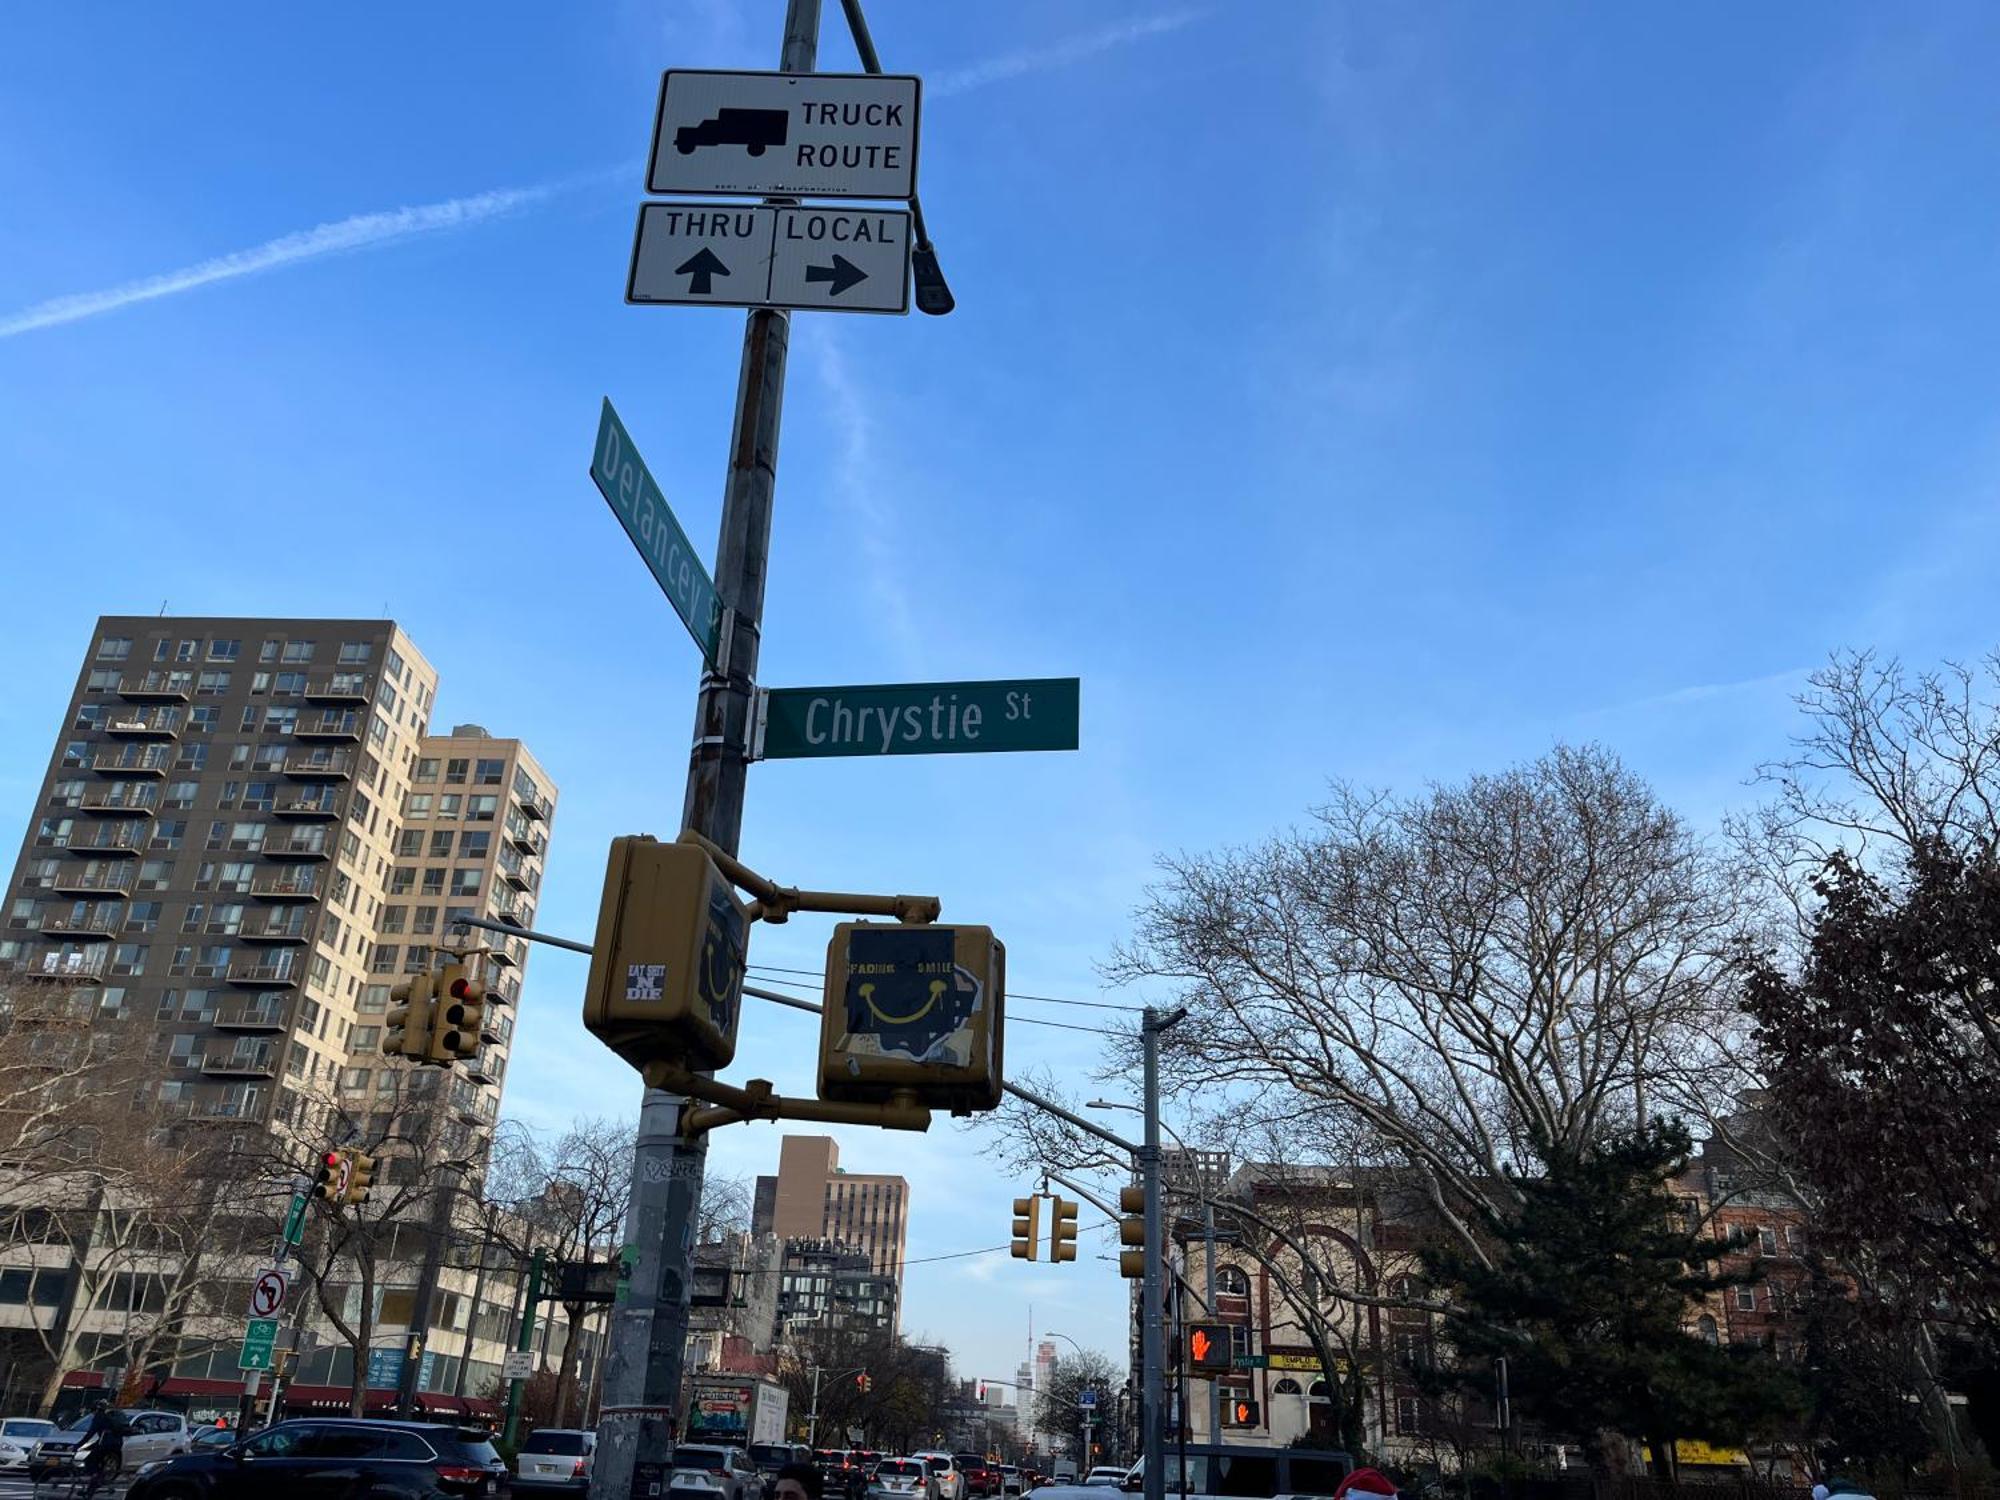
[
  {"x": 922, "y": 718},
  {"x": 643, "y": 511}
]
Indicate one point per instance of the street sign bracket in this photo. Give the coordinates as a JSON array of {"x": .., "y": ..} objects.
[{"x": 760, "y": 717}]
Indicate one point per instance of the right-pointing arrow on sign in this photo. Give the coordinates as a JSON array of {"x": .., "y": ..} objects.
[
  {"x": 843, "y": 273},
  {"x": 701, "y": 267}
]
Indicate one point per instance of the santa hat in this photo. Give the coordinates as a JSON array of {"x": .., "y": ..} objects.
[{"x": 1364, "y": 1482}]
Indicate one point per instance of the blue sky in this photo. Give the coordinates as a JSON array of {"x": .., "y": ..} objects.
[{"x": 1339, "y": 390}]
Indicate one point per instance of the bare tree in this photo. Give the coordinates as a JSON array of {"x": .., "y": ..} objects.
[
  {"x": 1475, "y": 974},
  {"x": 574, "y": 1192}
]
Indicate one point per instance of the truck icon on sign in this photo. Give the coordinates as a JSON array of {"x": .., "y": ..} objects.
[{"x": 752, "y": 129}]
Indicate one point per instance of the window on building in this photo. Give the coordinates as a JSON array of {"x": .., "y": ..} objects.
[
  {"x": 374, "y": 998},
  {"x": 481, "y": 808},
  {"x": 186, "y": 650},
  {"x": 1746, "y": 1299},
  {"x": 142, "y": 916},
  {"x": 224, "y": 650},
  {"x": 288, "y": 685},
  {"x": 441, "y": 843},
  {"x": 417, "y": 805},
  {"x": 402, "y": 880},
  {"x": 102, "y": 680},
  {"x": 191, "y": 757},
  {"x": 466, "y": 882},
  {"x": 1767, "y": 1241},
  {"x": 114, "y": 648},
  {"x": 383, "y": 960},
  {"x": 411, "y": 844},
  {"x": 205, "y": 719},
  {"x": 434, "y": 881},
  {"x": 449, "y": 804},
  {"x": 393, "y": 918},
  {"x": 183, "y": 794},
  {"x": 1230, "y": 1281},
  {"x": 489, "y": 772},
  {"x": 211, "y": 684},
  {"x": 155, "y": 875},
  {"x": 475, "y": 844},
  {"x": 455, "y": 772},
  {"x": 297, "y": 651},
  {"x": 427, "y": 769}
]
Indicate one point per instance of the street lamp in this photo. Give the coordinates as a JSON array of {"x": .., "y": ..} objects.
[
  {"x": 1134, "y": 1109},
  {"x": 1088, "y": 1419}
]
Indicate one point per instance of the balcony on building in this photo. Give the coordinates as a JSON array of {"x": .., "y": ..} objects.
[
  {"x": 262, "y": 1013},
  {"x": 513, "y": 911},
  {"x": 110, "y": 838},
  {"x": 507, "y": 952},
  {"x": 341, "y": 687},
  {"x": 287, "y": 927},
  {"x": 309, "y": 807},
  {"x": 304, "y": 844},
  {"x": 81, "y": 880},
  {"x": 532, "y": 807},
  {"x": 511, "y": 870},
  {"x": 328, "y": 726},
  {"x": 129, "y": 760},
  {"x": 147, "y": 722},
  {"x": 95, "y": 926},
  {"x": 157, "y": 687},
  {"x": 318, "y": 764},
  {"x": 480, "y": 1067},
  {"x": 227, "y": 1106},
  {"x": 83, "y": 968},
  {"x": 300, "y": 886},
  {"x": 279, "y": 970},
  {"x": 525, "y": 838},
  {"x": 138, "y": 798},
  {"x": 243, "y": 1058}
]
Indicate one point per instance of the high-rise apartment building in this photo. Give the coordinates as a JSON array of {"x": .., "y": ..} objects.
[
  {"x": 235, "y": 852},
  {"x": 813, "y": 1198}
]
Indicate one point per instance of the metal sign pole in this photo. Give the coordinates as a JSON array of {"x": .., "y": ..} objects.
[{"x": 642, "y": 1373}]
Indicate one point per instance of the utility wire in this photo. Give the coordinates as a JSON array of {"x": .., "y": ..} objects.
[{"x": 1011, "y": 994}]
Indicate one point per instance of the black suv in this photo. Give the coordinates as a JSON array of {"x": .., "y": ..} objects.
[{"x": 334, "y": 1456}]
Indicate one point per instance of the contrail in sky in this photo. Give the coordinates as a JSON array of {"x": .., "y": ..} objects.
[
  {"x": 361, "y": 232},
  {"x": 367, "y": 231},
  {"x": 1062, "y": 54}
]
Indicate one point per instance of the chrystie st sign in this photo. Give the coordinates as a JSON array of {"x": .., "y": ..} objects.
[
  {"x": 647, "y": 518},
  {"x": 922, "y": 718}
]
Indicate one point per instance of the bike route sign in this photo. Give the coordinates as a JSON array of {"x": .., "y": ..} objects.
[{"x": 790, "y": 135}]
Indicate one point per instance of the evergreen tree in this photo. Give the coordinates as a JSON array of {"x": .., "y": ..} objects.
[{"x": 1590, "y": 1284}]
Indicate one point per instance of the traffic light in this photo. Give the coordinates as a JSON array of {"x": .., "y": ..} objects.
[
  {"x": 1062, "y": 1231},
  {"x": 360, "y": 1175},
  {"x": 864, "y": 1383},
  {"x": 982, "y": 1390},
  {"x": 406, "y": 1029},
  {"x": 1132, "y": 1232},
  {"x": 327, "y": 1182},
  {"x": 1243, "y": 1414},
  {"x": 1207, "y": 1346},
  {"x": 461, "y": 1009},
  {"x": 1027, "y": 1228}
]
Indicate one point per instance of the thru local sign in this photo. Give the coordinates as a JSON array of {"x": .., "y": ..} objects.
[
  {"x": 739, "y": 255},
  {"x": 792, "y": 135},
  {"x": 923, "y": 718}
]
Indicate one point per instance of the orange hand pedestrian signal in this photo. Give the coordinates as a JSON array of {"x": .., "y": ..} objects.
[{"x": 1208, "y": 1347}]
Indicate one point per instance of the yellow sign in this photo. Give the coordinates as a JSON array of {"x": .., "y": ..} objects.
[
  {"x": 1689, "y": 1451},
  {"x": 1295, "y": 1362}
]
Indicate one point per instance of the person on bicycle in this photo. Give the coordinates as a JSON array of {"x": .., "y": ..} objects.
[{"x": 106, "y": 1434}]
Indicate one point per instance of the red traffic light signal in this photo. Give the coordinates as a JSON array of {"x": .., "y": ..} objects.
[
  {"x": 1244, "y": 1414},
  {"x": 863, "y": 1383}
]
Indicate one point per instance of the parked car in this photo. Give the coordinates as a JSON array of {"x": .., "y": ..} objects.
[
  {"x": 18, "y": 1436},
  {"x": 950, "y": 1483},
  {"x": 902, "y": 1479},
  {"x": 148, "y": 1436},
  {"x": 555, "y": 1460},
  {"x": 768, "y": 1458},
  {"x": 347, "y": 1455},
  {"x": 1111, "y": 1474},
  {"x": 214, "y": 1439},
  {"x": 1010, "y": 1480},
  {"x": 709, "y": 1471}
]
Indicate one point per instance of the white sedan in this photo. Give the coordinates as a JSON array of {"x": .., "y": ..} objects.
[{"x": 18, "y": 1436}]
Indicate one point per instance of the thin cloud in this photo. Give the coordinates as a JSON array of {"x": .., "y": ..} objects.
[
  {"x": 360, "y": 232},
  {"x": 1062, "y": 55}
]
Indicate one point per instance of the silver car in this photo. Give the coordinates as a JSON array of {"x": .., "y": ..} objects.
[
  {"x": 18, "y": 1436},
  {"x": 902, "y": 1479},
  {"x": 555, "y": 1459},
  {"x": 712, "y": 1471}
]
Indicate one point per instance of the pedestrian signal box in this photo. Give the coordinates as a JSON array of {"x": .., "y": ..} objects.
[
  {"x": 666, "y": 969},
  {"x": 1208, "y": 1346},
  {"x": 913, "y": 1007}
]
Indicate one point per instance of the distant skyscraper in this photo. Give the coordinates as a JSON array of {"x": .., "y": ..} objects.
[{"x": 812, "y": 1198}]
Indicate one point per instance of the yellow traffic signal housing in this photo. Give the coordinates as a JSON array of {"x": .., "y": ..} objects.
[
  {"x": 326, "y": 1181},
  {"x": 360, "y": 1175},
  {"x": 917, "y": 1008},
  {"x": 459, "y": 1014},
  {"x": 1132, "y": 1231},
  {"x": 406, "y": 1029},
  {"x": 1027, "y": 1228},
  {"x": 666, "y": 970},
  {"x": 1062, "y": 1231}
]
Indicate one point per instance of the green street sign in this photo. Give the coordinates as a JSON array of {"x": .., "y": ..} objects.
[
  {"x": 643, "y": 511},
  {"x": 920, "y": 718},
  {"x": 260, "y": 1342},
  {"x": 1251, "y": 1362},
  {"x": 295, "y": 1220}
]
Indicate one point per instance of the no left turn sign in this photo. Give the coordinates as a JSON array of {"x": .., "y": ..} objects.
[{"x": 267, "y": 1292}]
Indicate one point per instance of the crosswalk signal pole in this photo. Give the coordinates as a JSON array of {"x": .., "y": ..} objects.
[{"x": 642, "y": 1372}]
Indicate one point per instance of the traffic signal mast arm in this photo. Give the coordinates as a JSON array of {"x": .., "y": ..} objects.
[{"x": 774, "y": 903}]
